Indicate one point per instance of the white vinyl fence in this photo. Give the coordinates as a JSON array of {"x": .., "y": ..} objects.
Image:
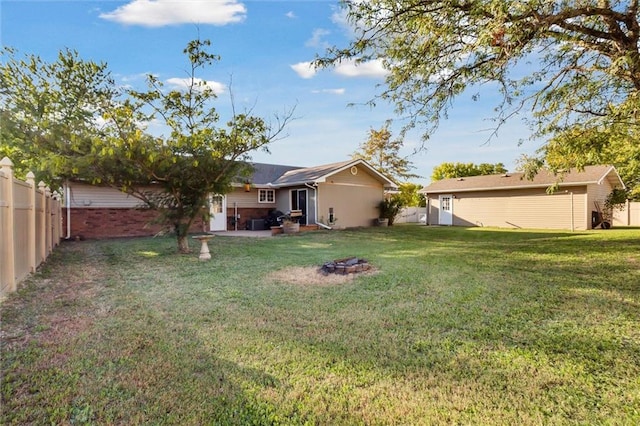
[{"x": 412, "y": 215}]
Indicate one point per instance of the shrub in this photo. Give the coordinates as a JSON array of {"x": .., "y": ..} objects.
[{"x": 390, "y": 207}]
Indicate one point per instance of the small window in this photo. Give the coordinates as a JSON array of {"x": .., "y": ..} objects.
[
  {"x": 266, "y": 195},
  {"x": 446, "y": 203}
]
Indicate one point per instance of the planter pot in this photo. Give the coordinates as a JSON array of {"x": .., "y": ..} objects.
[
  {"x": 383, "y": 221},
  {"x": 290, "y": 227}
]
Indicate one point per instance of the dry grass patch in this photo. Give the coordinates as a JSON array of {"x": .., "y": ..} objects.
[
  {"x": 64, "y": 305},
  {"x": 313, "y": 276}
]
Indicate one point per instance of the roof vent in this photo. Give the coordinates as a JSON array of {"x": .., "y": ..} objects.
[
  {"x": 460, "y": 179},
  {"x": 506, "y": 175}
]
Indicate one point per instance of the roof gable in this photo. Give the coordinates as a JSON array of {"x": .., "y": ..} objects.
[{"x": 544, "y": 179}]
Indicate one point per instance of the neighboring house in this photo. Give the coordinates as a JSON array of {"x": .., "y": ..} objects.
[
  {"x": 512, "y": 201},
  {"x": 347, "y": 192}
]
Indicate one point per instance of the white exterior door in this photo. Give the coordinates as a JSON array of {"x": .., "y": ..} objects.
[
  {"x": 446, "y": 210},
  {"x": 217, "y": 212}
]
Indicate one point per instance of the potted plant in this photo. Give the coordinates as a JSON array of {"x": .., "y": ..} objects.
[{"x": 290, "y": 222}]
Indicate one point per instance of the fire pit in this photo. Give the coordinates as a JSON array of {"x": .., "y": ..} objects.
[{"x": 349, "y": 265}]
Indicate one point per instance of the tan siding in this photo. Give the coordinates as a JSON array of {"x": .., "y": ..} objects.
[
  {"x": 532, "y": 208},
  {"x": 540, "y": 211},
  {"x": 361, "y": 178},
  {"x": 91, "y": 196},
  {"x": 245, "y": 199},
  {"x": 354, "y": 207},
  {"x": 598, "y": 193},
  {"x": 433, "y": 210},
  {"x": 354, "y": 198}
]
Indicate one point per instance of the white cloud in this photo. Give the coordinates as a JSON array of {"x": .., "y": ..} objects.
[
  {"x": 183, "y": 83},
  {"x": 304, "y": 69},
  {"x": 339, "y": 17},
  {"x": 349, "y": 68},
  {"x": 352, "y": 68},
  {"x": 340, "y": 91},
  {"x": 132, "y": 78},
  {"x": 158, "y": 13},
  {"x": 316, "y": 38},
  {"x": 290, "y": 15}
]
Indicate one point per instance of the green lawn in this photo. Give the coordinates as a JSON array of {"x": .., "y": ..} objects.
[{"x": 455, "y": 326}]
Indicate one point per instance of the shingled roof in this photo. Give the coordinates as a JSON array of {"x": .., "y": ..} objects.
[
  {"x": 272, "y": 175},
  {"x": 264, "y": 174},
  {"x": 544, "y": 179}
]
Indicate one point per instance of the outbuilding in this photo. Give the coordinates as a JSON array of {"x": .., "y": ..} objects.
[{"x": 512, "y": 201}]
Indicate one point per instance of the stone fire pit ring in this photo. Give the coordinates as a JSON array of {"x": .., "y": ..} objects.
[{"x": 349, "y": 265}]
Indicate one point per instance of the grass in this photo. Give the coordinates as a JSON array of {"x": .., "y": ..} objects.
[{"x": 456, "y": 326}]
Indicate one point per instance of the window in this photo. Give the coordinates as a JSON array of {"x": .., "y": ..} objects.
[
  {"x": 299, "y": 202},
  {"x": 266, "y": 195},
  {"x": 446, "y": 203}
]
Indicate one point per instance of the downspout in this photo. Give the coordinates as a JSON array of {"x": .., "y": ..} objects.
[
  {"x": 68, "y": 203},
  {"x": 315, "y": 191}
]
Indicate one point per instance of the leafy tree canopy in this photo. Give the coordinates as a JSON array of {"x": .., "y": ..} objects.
[
  {"x": 69, "y": 120},
  {"x": 456, "y": 170},
  {"x": 50, "y": 112},
  {"x": 409, "y": 196},
  {"x": 579, "y": 147},
  {"x": 383, "y": 154},
  {"x": 571, "y": 62}
]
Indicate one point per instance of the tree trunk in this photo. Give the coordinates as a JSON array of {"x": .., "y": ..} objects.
[
  {"x": 182, "y": 235},
  {"x": 183, "y": 244}
]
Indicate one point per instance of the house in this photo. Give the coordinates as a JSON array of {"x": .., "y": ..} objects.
[
  {"x": 512, "y": 201},
  {"x": 343, "y": 195}
]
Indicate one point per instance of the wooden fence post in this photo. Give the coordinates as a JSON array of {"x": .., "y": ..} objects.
[{"x": 10, "y": 261}]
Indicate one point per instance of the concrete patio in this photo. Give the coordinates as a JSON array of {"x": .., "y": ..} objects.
[{"x": 243, "y": 233}]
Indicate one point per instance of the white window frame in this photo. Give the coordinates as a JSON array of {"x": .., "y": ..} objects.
[{"x": 269, "y": 196}]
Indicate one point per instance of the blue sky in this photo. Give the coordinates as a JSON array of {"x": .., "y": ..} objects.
[{"x": 265, "y": 47}]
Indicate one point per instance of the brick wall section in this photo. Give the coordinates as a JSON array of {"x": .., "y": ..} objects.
[
  {"x": 246, "y": 214},
  {"x": 112, "y": 223}
]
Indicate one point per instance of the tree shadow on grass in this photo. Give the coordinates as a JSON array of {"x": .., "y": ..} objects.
[{"x": 73, "y": 354}]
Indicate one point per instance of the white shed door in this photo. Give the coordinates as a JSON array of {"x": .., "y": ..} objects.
[
  {"x": 217, "y": 212},
  {"x": 446, "y": 210}
]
